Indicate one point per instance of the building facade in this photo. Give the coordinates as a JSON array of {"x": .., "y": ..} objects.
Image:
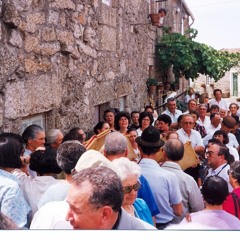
[{"x": 63, "y": 62}]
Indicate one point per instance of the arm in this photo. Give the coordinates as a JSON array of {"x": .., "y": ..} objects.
[{"x": 177, "y": 209}]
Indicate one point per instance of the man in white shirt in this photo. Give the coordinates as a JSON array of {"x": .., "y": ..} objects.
[
  {"x": 192, "y": 106},
  {"x": 173, "y": 112},
  {"x": 203, "y": 119},
  {"x": 222, "y": 103},
  {"x": 215, "y": 124}
]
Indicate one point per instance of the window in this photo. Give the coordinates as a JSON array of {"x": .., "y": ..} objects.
[
  {"x": 36, "y": 119},
  {"x": 122, "y": 103}
]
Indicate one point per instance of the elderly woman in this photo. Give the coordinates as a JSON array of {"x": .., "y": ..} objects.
[
  {"x": 145, "y": 120},
  {"x": 129, "y": 173},
  {"x": 122, "y": 121},
  {"x": 232, "y": 203},
  {"x": 45, "y": 164}
]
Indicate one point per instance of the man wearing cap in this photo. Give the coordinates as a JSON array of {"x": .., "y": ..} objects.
[{"x": 164, "y": 184}]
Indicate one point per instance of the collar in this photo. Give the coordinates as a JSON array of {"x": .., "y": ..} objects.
[{"x": 169, "y": 164}]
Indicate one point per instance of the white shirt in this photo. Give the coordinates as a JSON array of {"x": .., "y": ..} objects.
[
  {"x": 174, "y": 117},
  {"x": 211, "y": 128},
  {"x": 195, "y": 137},
  {"x": 204, "y": 123},
  {"x": 222, "y": 103},
  {"x": 33, "y": 187}
]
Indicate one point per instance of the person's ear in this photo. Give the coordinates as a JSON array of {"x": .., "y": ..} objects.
[{"x": 106, "y": 215}]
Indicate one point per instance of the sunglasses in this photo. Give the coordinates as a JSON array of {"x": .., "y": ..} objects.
[{"x": 134, "y": 187}]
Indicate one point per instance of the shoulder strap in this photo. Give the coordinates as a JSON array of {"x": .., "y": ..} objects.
[{"x": 236, "y": 202}]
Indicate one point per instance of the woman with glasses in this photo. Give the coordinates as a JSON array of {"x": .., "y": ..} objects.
[
  {"x": 129, "y": 173},
  {"x": 145, "y": 120},
  {"x": 232, "y": 203}
]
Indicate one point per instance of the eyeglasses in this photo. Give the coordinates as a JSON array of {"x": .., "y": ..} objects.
[
  {"x": 134, "y": 187},
  {"x": 188, "y": 123},
  {"x": 210, "y": 153}
]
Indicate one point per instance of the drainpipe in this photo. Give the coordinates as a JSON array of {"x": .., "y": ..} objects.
[{"x": 184, "y": 4}]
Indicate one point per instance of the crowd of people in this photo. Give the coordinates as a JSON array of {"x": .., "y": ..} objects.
[{"x": 51, "y": 180}]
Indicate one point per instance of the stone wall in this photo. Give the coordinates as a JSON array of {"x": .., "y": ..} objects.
[{"x": 64, "y": 57}]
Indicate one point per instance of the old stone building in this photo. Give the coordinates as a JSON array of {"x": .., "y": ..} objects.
[{"x": 63, "y": 62}]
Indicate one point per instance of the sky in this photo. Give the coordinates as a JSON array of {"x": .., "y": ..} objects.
[{"x": 217, "y": 22}]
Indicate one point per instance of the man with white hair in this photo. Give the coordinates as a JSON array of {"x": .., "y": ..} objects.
[{"x": 54, "y": 138}]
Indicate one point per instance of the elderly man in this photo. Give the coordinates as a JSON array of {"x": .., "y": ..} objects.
[
  {"x": 191, "y": 105},
  {"x": 217, "y": 155},
  {"x": 173, "y": 112},
  {"x": 116, "y": 147},
  {"x": 222, "y": 103},
  {"x": 203, "y": 119},
  {"x": 95, "y": 199},
  {"x": 173, "y": 151},
  {"x": 186, "y": 134},
  {"x": 215, "y": 124},
  {"x": 164, "y": 184},
  {"x": 54, "y": 138}
]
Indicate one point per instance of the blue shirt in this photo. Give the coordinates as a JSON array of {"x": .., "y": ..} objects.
[
  {"x": 12, "y": 202},
  {"x": 142, "y": 211},
  {"x": 146, "y": 194},
  {"x": 164, "y": 186}
]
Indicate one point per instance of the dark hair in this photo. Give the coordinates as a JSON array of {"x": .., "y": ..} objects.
[
  {"x": 148, "y": 106},
  {"x": 44, "y": 161},
  {"x": 234, "y": 104},
  {"x": 15, "y": 136},
  {"x": 214, "y": 106},
  {"x": 106, "y": 186},
  {"x": 117, "y": 118},
  {"x": 180, "y": 118},
  {"x": 131, "y": 129},
  {"x": 31, "y": 132},
  {"x": 107, "y": 111},
  {"x": 162, "y": 10},
  {"x": 224, "y": 134},
  {"x": 174, "y": 149},
  {"x": 134, "y": 112},
  {"x": 194, "y": 112},
  {"x": 98, "y": 126},
  {"x": 165, "y": 118},
  {"x": 217, "y": 90},
  {"x": 73, "y": 136},
  {"x": 143, "y": 115},
  {"x": 149, "y": 150},
  {"x": 212, "y": 115},
  {"x": 235, "y": 170},
  {"x": 215, "y": 190},
  {"x": 10, "y": 151},
  {"x": 68, "y": 154}
]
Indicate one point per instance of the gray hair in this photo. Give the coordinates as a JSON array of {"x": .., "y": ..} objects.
[
  {"x": 51, "y": 135},
  {"x": 68, "y": 154},
  {"x": 106, "y": 186},
  {"x": 115, "y": 143},
  {"x": 174, "y": 149},
  {"x": 126, "y": 168}
]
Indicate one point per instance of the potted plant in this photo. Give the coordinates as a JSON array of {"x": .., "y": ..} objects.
[{"x": 152, "y": 85}]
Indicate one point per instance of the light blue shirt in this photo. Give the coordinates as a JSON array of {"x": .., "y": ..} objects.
[
  {"x": 12, "y": 202},
  {"x": 165, "y": 188}
]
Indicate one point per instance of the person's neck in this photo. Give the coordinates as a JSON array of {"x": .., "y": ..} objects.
[
  {"x": 129, "y": 209},
  {"x": 188, "y": 132},
  {"x": 212, "y": 207},
  {"x": 151, "y": 156},
  {"x": 30, "y": 148}
]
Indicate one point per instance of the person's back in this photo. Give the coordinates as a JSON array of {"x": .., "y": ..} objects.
[
  {"x": 214, "y": 191},
  {"x": 173, "y": 151}
]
